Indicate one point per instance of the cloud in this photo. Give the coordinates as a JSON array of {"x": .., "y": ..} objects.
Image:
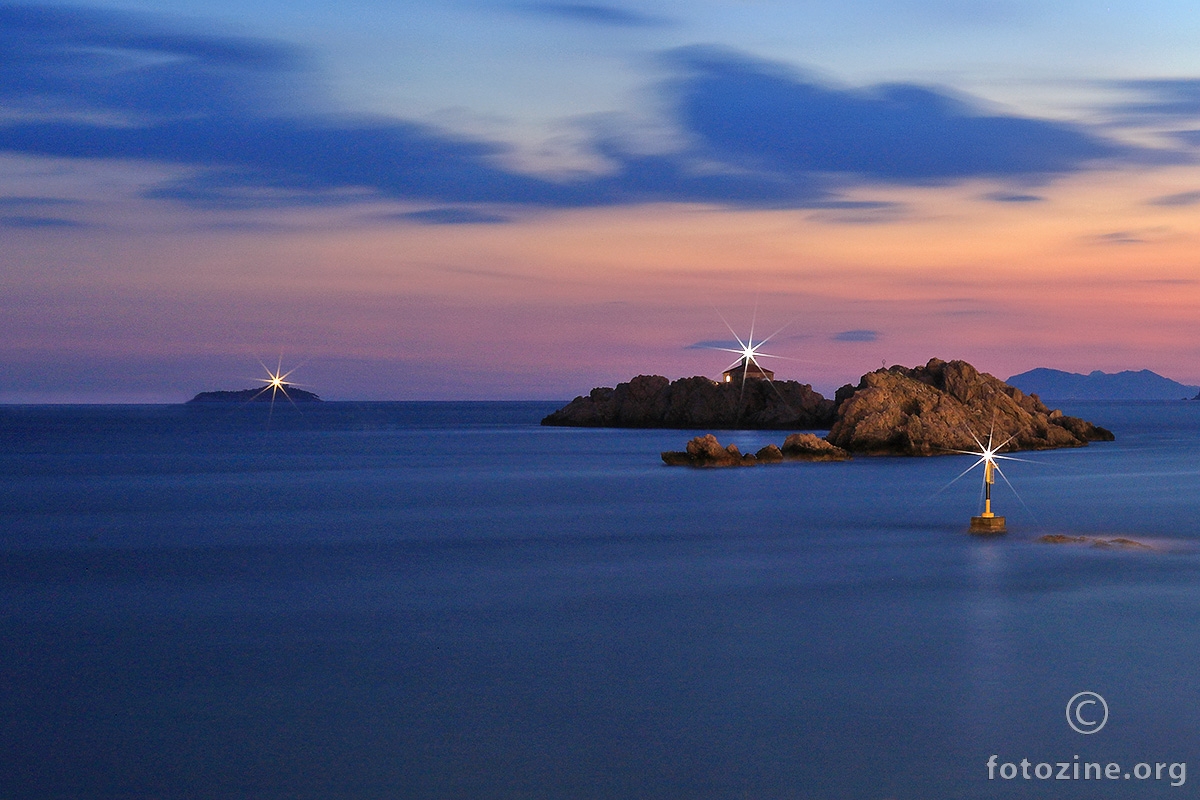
[
  {"x": 1181, "y": 199},
  {"x": 394, "y": 158},
  {"x": 1190, "y": 138},
  {"x": 849, "y": 213},
  {"x": 1118, "y": 237},
  {"x": 715, "y": 344},
  {"x": 64, "y": 60},
  {"x": 593, "y": 14},
  {"x": 761, "y": 117},
  {"x": 450, "y": 216},
  {"x": 243, "y": 116},
  {"x": 1011, "y": 197},
  {"x": 231, "y": 190},
  {"x": 856, "y": 336},
  {"x": 18, "y": 201},
  {"x": 23, "y": 222},
  {"x": 1161, "y": 99}
]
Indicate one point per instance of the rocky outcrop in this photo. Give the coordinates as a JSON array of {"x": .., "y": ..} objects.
[
  {"x": 1106, "y": 544},
  {"x": 941, "y": 407},
  {"x": 706, "y": 451},
  {"x": 810, "y": 447},
  {"x": 259, "y": 395},
  {"x": 651, "y": 401},
  {"x": 770, "y": 454}
]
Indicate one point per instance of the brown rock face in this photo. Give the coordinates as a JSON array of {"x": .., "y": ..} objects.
[
  {"x": 706, "y": 451},
  {"x": 936, "y": 408},
  {"x": 769, "y": 454},
  {"x": 810, "y": 447},
  {"x": 651, "y": 401}
]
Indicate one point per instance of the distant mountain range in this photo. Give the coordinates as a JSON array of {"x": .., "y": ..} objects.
[{"x": 1053, "y": 385}]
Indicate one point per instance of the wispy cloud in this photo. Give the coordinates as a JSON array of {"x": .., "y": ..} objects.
[
  {"x": 24, "y": 222},
  {"x": 450, "y": 216},
  {"x": 18, "y": 201},
  {"x": 715, "y": 344},
  {"x": 1118, "y": 237},
  {"x": 1190, "y": 138},
  {"x": 1013, "y": 197},
  {"x": 1161, "y": 99},
  {"x": 860, "y": 335},
  {"x": 594, "y": 14},
  {"x": 1180, "y": 199},
  {"x": 63, "y": 61}
]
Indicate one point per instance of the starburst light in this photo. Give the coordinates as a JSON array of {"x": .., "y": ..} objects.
[
  {"x": 276, "y": 380},
  {"x": 277, "y": 384},
  {"x": 747, "y": 351},
  {"x": 988, "y": 455}
]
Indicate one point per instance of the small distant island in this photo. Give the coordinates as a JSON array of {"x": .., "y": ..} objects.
[{"x": 261, "y": 395}]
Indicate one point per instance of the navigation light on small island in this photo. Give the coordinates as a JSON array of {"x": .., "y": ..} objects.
[{"x": 276, "y": 381}]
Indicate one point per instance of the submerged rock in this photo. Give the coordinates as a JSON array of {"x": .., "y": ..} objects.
[
  {"x": 1118, "y": 543},
  {"x": 942, "y": 407},
  {"x": 651, "y": 401}
]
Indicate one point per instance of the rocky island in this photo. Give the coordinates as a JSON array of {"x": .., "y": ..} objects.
[
  {"x": 938, "y": 408},
  {"x": 652, "y": 401},
  {"x": 942, "y": 407},
  {"x": 261, "y": 395}
]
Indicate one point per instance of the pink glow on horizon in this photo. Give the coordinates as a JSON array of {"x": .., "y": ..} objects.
[{"x": 555, "y": 303}]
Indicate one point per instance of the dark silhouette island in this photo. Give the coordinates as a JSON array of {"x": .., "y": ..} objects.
[
  {"x": 652, "y": 401},
  {"x": 262, "y": 395}
]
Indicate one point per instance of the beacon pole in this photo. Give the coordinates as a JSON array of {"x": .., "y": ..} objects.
[
  {"x": 989, "y": 477},
  {"x": 987, "y": 522}
]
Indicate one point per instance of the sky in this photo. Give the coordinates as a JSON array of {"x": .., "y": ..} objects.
[{"x": 491, "y": 199}]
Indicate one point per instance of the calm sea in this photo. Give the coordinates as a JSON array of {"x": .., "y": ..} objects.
[{"x": 445, "y": 600}]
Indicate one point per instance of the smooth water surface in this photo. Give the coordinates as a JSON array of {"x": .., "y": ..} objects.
[{"x": 446, "y": 600}]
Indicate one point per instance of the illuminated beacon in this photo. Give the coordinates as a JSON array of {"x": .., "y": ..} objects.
[{"x": 987, "y": 522}]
